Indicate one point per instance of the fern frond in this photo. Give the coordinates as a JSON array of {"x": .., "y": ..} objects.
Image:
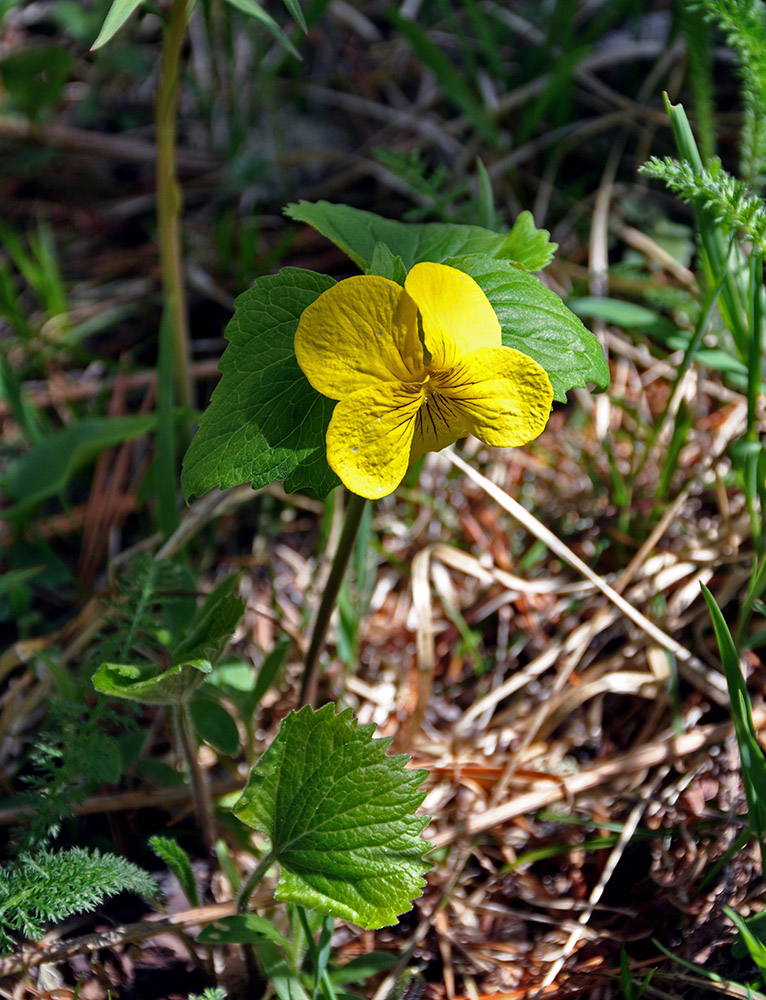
[
  {"x": 744, "y": 24},
  {"x": 729, "y": 200},
  {"x": 177, "y": 860},
  {"x": 51, "y": 885}
]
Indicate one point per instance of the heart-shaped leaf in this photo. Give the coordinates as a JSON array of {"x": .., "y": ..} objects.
[
  {"x": 340, "y": 815},
  {"x": 142, "y": 683},
  {"x": 264, "y": 422},
  {"x": 357, "y": 233},
  {"x": 535, "y": 320}
]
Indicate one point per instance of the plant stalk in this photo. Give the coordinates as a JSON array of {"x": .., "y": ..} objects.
[
  {"x": 169, "y": 199},
  {"x": 352, "y": 520},
  {"x": 197, "y": 780},
  {"x": 256, "y": 876}
]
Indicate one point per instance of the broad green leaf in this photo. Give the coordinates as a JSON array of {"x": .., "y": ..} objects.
[
  {"x": 362, "y": 967},
  {"x": 47, "y": 469},
  {"x": 118, "y": 14},
  {"x": 386, "y": 265},
  {"x": 356, "y": 233},
  {"x": 628, "y": 315},
  {"x": 139, "y": 683},
  {"x": 528, "y": 245},
  {"x": 212, "y": 627},
  {"x": 264, "y": 422},
  {"x": 214, "y": 725},
  {"x": 254, "y": 10},
  {"x": 243, "y": 928},
  {"x": 340, "y": 815},
  {"x": 535, "y": 320}
]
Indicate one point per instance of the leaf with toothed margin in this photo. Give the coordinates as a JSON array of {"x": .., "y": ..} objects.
[{"x": 340, "y": 815}]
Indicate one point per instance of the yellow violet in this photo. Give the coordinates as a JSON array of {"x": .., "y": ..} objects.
[{"x": 414, "y": 369}]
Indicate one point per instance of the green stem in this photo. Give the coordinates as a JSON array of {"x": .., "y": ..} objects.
[
  {"x": 196, "y": 777},
  {"x": 244, "y": 894},
  {"x": 711, "y": 235},
  {"x": 352, "y": 520},
  {"x": 169, "y": 198}
]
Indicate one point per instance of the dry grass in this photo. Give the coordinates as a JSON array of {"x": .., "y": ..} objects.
[{"x": 583, "y": 774}]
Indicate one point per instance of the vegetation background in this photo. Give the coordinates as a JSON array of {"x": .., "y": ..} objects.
[{"x": 589, "y": 814}]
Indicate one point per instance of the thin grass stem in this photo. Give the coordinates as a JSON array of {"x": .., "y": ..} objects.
[
  {"x": 353, "y": 518},
  {"x": 169, "y": 199},
  {"x": 253, "y": 880},
  {"x": 197, "y": 780}
]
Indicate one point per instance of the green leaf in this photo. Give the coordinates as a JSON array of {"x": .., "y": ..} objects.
[
  {"x": 47, "y": 469},
  {"x": 357, "y": 232},
  {"x": 212, "y": 627},
  {"x": 18, "y": 577},
  {"x": 362, "y": 967},
  {"x": 486, "y": 198},
  {"x": 755, "y": 947},
  {"x": 297, "y": 14},
  {"x": 753, "y": 762},
  {"x": 264, "y": 422},
  {"x": 254, "y": 10},
  {"x": 177, "y": 860},
  {"x": 386, "y": 265},
  {"x": 139, "y": 683},
  {"x": 340, "y": 815},
  {"x": 51, "y": 885},
  {"x": 118, "y": 14},
  {"x": 528, "y": 245},
  {"x": 757, "y": 927},
  {"x": 214, "y": 725},
  {"x": 535, "y": 320},
  {"x": 628, "y": 315},
  {"x": 284, "y": 980},
  {"x": 244, "y": 928},
  {"x": 34, "y": 78}
]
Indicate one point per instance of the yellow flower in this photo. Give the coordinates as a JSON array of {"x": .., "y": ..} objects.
[{"x": 414, "y": 369}]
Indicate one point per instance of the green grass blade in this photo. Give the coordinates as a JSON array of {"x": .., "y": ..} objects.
[
  {"x": 753, "y": 762},
  {"x": 297, "y": 14},
  {"x": 486, "y": 214},
  {"x": 756, "y": 949},
  {"x": 254, "y": 10},
  {"x": 712, "y": 238},
  {"x": 118, "y": 14},
  {"x": 448, "y": 75}
]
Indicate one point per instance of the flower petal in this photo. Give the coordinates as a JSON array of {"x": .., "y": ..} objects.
[
  {"x": 456, "y": 314},
  {"x": 370, "y": 436},
  {"x": 504, "y": 396},
  {"x": 440, "y": 422},
  {"x": 359, "y": 332}
]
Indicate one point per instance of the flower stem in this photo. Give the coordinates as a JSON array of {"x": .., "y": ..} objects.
[
  {"x": 353, "y": 517},
  {"x": 169, "y": 198},
  {"x": 196, "y": 777},
  {"x": 244, "y": 894}
]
